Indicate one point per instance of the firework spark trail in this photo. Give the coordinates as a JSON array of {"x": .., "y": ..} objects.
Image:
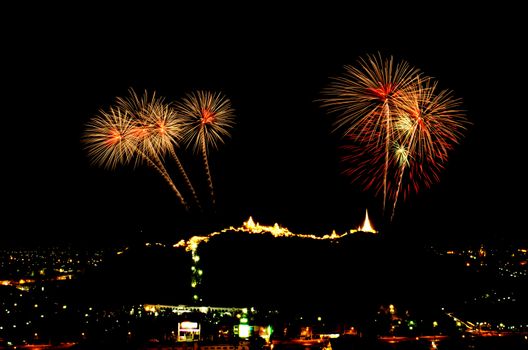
[
  {"x": 386, "y": 112},
  {"x": 403, "y": 159},
  {"x": 157, "y": 165},
  {"x": 408, "y": 122},
  {"x": 206, "y": 165},
  {"x": 207, "y": 118},
  {"x": 400, "y": 126},
  {"x": 165, "y": 133},
  {"x": 147, "y": 151},
  {"x": 185, "y": 177}
]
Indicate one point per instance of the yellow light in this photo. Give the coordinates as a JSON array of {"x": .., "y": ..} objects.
[
  {"x": 243, "y": 331},
  {"x": 367, "y": 227},
  {"x": 150, "y": 308},
  {"x": 188, "y": 325},
  {"x": 250, "y": 224}
]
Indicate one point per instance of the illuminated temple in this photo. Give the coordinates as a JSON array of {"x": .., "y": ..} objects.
[
  {"x": 252, "y": 227},
  {"x": 367, "y": 227}
]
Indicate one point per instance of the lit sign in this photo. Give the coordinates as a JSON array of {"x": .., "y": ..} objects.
[
  {"x": 188, "y": 325},
  {"x": 243, "y": 331}
]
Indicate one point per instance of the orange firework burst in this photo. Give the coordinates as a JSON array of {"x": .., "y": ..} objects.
[
  {"x": 108, "y": 140},
  {"x": 147, "y": 129},
  {"x": 207, "y": 120},
  {"x": 161, "y": 128},
  {"x": 158, "y": 130},
  {"x": 124, "y": 132},
  {"x": 399, "y": 128}
]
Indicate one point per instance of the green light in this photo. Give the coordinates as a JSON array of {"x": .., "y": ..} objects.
[
  {"x": 244, "y": 320},
  {"x": 195, "y": 297}
]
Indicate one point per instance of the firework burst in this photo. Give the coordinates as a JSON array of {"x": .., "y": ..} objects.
[
  {"x": 158, "y": 130},
  {"x": 108, "y": 140},
  {"x": 365, "y": 99},
  {"x": 207, "y": 120},
  {"x": 398, "y": 127},
  {"x": 117, "y": 136}
]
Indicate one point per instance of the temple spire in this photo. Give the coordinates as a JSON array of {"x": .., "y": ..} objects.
[{"x": 367, "y": 227}]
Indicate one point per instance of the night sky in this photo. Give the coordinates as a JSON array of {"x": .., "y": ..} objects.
[{"x": 282, "y": 163}]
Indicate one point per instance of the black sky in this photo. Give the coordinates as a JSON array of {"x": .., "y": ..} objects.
[{"x": 281, "y": 164}]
